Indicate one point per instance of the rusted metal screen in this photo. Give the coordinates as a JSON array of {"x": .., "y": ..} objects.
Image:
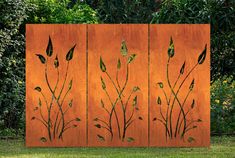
[{"x": 117, "y": 85}]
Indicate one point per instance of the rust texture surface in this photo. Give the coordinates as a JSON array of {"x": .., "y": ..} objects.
[{"x": 117, "y": 85}]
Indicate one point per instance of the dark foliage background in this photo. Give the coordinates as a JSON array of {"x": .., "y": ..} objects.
[{"x": 14, "y": 14}]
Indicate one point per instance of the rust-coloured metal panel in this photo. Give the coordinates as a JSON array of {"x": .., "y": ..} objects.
[
  {"x": 117, "y": 85},
  {"x": 179, "y": 85},
  {"x": 56, "y": 85}
]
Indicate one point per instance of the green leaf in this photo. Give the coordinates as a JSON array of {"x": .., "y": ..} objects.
[
  {"x": 49, "y": 49},
  {"x": 78, "y": 119},
  {"x": 191, "y": 85},
  {"x": 41, "y": 58},
  {"x": 39, "y": 102},
  {"x": 140, "y": 118},
  {"x": 193, "y": 104},
  {"x": 136, "y": 88},
  {"x": 130, "y": 139},
  {"x": 202, "y": 56},
  {"x": 103, "y": 83},
  {"x": 100, "y": 138},
  {"x": 160, "y": 84},
  {"x": 159, "y": 101},
  {"x": 56, "y": 62},
  {"x": 182, "y": 68},
  {"x": 131, "y": 58},
  {"x": 135, "y": 101},
  {"x": 119, "y": 64},
  {"x": 191, "y": 139},
  {"x": 69, "y": 55},
  {"x": 102, "y": 103},
  {"x": 124, "y": 50},
  {"x": 98, "y": 125},
  {"x": 38, "y": 89},
  {"x": 71, "y": 103},
  {"x": 102, "y": 65},
  {"x": 171, "y": 48},
  {"x": 70, "y": 84},
  {"x": 43, "y": 139}
]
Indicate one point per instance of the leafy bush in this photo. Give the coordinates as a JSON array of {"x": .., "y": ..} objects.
[
  {"x": 52, "y": 11},
  {"x": 223, "y": 106},
  {"x": 220, "y": 14},
  {"x": 126, "y": 11}
]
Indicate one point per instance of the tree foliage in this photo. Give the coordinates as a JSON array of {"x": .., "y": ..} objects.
[{"x": 220, "y": 14}]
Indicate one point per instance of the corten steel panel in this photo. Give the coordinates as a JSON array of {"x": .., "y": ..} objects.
[
  {"x": 104, "y": 44},
  {"x": 191, "y": 103},
  {"x": 69, "y": 130}
]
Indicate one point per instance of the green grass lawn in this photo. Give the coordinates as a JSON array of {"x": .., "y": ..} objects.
[{"x": 220, "y": 147}]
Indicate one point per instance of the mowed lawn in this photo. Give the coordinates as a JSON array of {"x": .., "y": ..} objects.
[{"x": 220, "y": 147}]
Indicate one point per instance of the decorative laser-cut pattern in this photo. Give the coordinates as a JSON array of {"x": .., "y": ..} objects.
[{"x": 117, "y": 85}]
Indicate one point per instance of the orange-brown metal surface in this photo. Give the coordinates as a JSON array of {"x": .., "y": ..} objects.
[
  {"x": 117, "y": 85},
  {"x": 123, "y": 121},
  {"x": 70, "y": 110},
  {"x": 180, "y": 94}
]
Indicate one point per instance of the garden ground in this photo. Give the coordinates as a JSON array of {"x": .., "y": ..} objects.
[{"x": 221, "y": 147}]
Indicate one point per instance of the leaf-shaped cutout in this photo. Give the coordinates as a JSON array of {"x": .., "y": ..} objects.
[
  {"x": 124, "y": 50},
  {"x": 70, "y": 84},
  {"x": 56, "y": 62},
  {"x": 71, "y": 103},
  {"x": 74, "y": 126},
  {"x": 96, "y": 119},
  {"x": 35, "y": 109},
  {"x": 171, "y": 48},
  {"x": 39, "y": 102},
  {"x": 130, "y": 139},
  {"x": 102, "y": 65},
  {"x": 69, "y": 55},
  {"x": 43, "y": 139},
  {"x": 140, "y": 118},
  {"x": 33, "y": 118},
  {"x": 199, "y": 120},
  {"x": 103, "y": 83},
  {"x": 154, "y": 119},
  {"x": 131, "y": 58},
  {"x": 135, "y": 101},
  {"x": 119, "y": 64},
  {"x": 191, "y": 85},
  {"x": 160, "y": 84},
  {"x": 202, "y": 56},
  {"x": 78, "y": 119},
  {"x": 136, "y": 88},
  {"x": 102, "y": 103},
  {"x": 97, "y": 125},
  {"x": 193, "y": 104},
  {"x": 41, "y": 58},
  {"x": 182, "y": 68},
  {"x": 100, "y": 138},
  {"x": 191, "y": 139},
  {"x": 159, "y": 101},
  {"x": 49, "y": 49},
  {"x": 38, "y": 89}
]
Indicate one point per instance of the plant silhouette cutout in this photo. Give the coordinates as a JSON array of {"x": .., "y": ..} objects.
[
  {"x": 182, "y": 125},
  {"x": 55, "y": 126},
  {"x": 126, "y": 102}
]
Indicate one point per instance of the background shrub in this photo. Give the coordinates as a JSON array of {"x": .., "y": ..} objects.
[{"x": 223, "y": 106}]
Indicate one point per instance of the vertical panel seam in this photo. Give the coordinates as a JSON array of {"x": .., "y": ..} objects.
[
  {"x": 86, "y": 84},
  {"x": 148, "y": 84}
]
